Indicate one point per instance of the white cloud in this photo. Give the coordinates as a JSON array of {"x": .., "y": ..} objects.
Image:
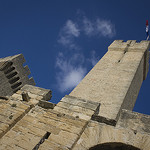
[
  {"x": 71, "y": 28},
  {"x": 88, "y": 27},
  {"x": 68, "y": 33},
  {"x": 71, "y": 69},
  {"x": 98, "y": 27},
  {"x": 70, "y": 72},
  {"x": 105, "y": 28}
]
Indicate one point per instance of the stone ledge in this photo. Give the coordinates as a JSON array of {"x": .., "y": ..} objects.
[
  {"x": 46, "y": 104},
  {"x": 103, "y": 120},
  {"x": 45, "y": 93},
  {"x": 79, "y": 108},
  {"x": 81, "y": 102}
]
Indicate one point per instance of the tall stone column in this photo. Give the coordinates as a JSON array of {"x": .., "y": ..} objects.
[{"x": 116, "y": 79}]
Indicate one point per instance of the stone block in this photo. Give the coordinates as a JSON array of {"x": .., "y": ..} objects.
[
  {"x": 75, "y": 108},
  {"x": 44, "y": 93},
  {"x": 49, "y": 145},
  {"x": 46, "y": 104},
  {"x": 80, "y": 102},
  {"x": 65, "y": 118},
  {"x": 64, "y": 138},
  {"x": 130, "y": 45},
  {"x": 72, "y": 113},
  {"x": 134, "y": 121}
]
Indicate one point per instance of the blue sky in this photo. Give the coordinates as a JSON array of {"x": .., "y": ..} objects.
[{"x": 63, "y": 39}]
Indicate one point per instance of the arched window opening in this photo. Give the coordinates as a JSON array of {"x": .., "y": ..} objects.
[{"x": 113, "y": 146}]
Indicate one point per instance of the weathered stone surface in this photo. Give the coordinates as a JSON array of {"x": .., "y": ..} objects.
[
  {"x": 13, "y": 75},
  {"x": 46, "y": 104},
  {"x": 10, "y": 113},
  {"x": 90, "y": 117},
  {"x": 113, "y": 80},
  {"x": 88, "y": 104},
  {"x": 64, "y": 138},
  {"x": 98, "y": 133},
  {"x": 49, "y": 145},
  {"x": 25, "y": 97},
  {"x": 36, "y": 91},
  {"x": 134, "y": 121},
  {"x": 78, "y": 108}
]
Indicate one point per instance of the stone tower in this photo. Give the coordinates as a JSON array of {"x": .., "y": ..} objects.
[
  {"x": 96, "y": 115},
  {"x": 13, "y": 75}
]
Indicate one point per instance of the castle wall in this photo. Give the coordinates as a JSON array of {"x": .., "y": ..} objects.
[
  {"x": 97, "y": 113},
  {"x": 13, "y": 75}
]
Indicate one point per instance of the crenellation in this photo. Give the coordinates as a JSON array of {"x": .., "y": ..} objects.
[
  {"x": 131, "y": 45},
  {"x": 13, "y": 74}
]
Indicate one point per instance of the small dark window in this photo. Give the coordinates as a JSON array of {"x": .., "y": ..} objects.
[
  {"x": 16, "y": 85},
  {"x": 11, "y": 75},
  {"x": 9, "y": 70},
  {"x": 14, "y": 80}
]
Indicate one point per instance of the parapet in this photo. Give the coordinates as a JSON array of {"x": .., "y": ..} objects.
[
  {"x": 130, "y": 45},
  {"x": 13, "y": 75},
  {"x": 133, "y": 46}
]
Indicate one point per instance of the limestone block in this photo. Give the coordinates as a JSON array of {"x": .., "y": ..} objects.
[
  {"x": 46, "y": 94},
  {"x": 4, "y": 128},
  {"x": 25, "y": 97},
  {"x": 72, "y": 113},
  {"x": 17, "y": 96},
  {"x": 49, "y": 145},
  {"x": 19, "y": 92},
  {"x": 134, "y": 121},
  {"x": 80, "y": 102},
  {"x": 33, "y": 96},
  {"x": 46, "y": 104},
  {"x": 41, "y": 124},
  {"x": 69, "y": 128},
  {"x": 75, "y": 108},
  {"x": 98, "y": 133},
  {"x": 131, "y": 45},
  {"x": 23, "y": 106},
  {"x": 64, "y": 138},
  {"x": 65, "y": 118},
  {"x": 33, "y": 102},
  {"x": 7, "y": 141},
  {"x": 39, "y": 97},
  {"x": 26, "y": 144}
]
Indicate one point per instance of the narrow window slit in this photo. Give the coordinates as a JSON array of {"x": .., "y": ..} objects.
[
  {"x": 42, "y": 140},
  {"x": 14, "y": 80},
  {"x": 16, "y": 85},
  {"x": 11, "y": 75},
  {"x": 9, "y": 70}
]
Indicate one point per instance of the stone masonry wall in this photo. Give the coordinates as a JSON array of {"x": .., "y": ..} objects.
[
  {"x": 116, "y": 79},
  {"x": 96, "y": 113},
  {"x": 13, "y": 75}
]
